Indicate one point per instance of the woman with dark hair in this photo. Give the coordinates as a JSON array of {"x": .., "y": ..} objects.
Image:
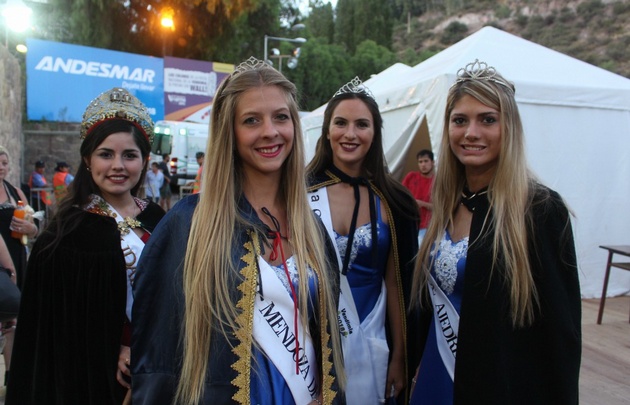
[
  {"x": 373, "y": 220},
  {"x": 496, "y": 271},
  {"x": 72, "y": 343}
]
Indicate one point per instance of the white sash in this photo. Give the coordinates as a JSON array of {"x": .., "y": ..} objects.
[
  {"x": 365, "y": 385},
  {"x": 274, "y": 331},
  {"x": 446, "y": 321},
  {"x": 132, "y": 246}
]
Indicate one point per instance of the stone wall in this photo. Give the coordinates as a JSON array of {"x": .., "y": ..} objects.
[
  {"x": 51, "y": 143},
  {"x": 11, "y": 113}
]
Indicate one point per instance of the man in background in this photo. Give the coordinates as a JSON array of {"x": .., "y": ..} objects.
[
  {"x": 39, "y": 198},
  {"x": 165, "y": 191},
  {"x": 200, "y": 156},
  {"x": 61, "y": 180},
  {"x": 420, "y": 183}
]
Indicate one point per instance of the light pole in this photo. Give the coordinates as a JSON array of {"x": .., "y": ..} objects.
[
  {"x": 168, "y": 25},
  {"x": 17, "y": 16},
  {"x": 294, "y": 40}
]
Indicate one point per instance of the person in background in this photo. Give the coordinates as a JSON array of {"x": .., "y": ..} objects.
[
  {"x": 165, "y": 190},
  {"x": 496, "y": 271},
  {"x": 419, "y": 184},
  {"x": 39, "y": 199},
  {"x": 373, "y": 220},
  {"x": 200, "y": 156},
  {"x": 72, "y": 341},
  {"x": 61, "y": 180},
  {"x": 154, "y": 181},
  {"x": 9, "y": 197},
  {"x": 235, "y": 281}
]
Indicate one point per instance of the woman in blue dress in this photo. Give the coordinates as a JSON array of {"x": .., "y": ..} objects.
[
  {"x": 234, "y": 293},
  {"x": 496, "y": 272},
  {"x": 372, "y": 218}
]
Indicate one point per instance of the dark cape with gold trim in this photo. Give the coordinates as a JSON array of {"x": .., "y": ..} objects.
[
  {"x": 71, "y": 316},
  {"x": 405, "y": 248},
  {"x": 156, "y": 353}
]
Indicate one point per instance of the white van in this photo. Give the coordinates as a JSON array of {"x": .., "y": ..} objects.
[{"x": 181, "y": 140}]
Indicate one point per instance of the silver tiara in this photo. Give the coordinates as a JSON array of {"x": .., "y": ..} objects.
[
  {"x": 480, "y": 71},
  {"x": 250, "y": 64},
  {"x": 354, "y": 86}
]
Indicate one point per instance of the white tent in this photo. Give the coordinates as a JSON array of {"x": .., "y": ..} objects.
[{"x": 577, "y": 126}]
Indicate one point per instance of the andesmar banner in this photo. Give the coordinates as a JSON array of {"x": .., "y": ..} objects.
[{"x": 61, "y": 79}]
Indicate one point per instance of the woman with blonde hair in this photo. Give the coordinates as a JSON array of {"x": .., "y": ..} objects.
[
  {"x": 497, "y": 269},
  {"x": 235, "y": 298}
]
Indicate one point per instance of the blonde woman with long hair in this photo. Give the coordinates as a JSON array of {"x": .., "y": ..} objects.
[
  {"x": 497, "y": 269},
  {"x": 235, "y": 298}
]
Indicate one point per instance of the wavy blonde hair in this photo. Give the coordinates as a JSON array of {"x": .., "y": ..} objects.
[
  {"x": 208, "y": 265},
  {"x": 510, "y": 194}
]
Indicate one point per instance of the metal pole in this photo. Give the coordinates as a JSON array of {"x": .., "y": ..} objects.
[{"x": 265, "y": 55}]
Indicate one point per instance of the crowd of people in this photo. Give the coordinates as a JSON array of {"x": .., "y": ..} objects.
[{"x": 281, "y": 281}]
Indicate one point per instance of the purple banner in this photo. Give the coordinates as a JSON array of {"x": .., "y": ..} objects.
[{"x": 189, "y": 87}]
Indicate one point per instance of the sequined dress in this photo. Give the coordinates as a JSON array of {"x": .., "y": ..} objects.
[{"x": 434, "y": 385}]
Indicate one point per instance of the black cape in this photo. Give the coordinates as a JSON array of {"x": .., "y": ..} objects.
[{"x": 71, "y": 317}]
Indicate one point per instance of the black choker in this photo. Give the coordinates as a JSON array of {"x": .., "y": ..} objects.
[
  {"x": 472, "y": 200},
  {"x": 355, "y": 182}
]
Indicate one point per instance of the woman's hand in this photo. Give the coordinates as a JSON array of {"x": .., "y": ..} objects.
[
  {"x": 395, "y": 378},
  {"x": 23, "y": 226},
  {"x": 123, "y": 366}
]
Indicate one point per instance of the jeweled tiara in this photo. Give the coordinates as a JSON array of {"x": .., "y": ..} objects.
[
  {"x": 354, "y": 86},
  {"x": 250, "y": 64},
  {"x": 117, "y": 103},
  {"x": 481, "y": 71}
]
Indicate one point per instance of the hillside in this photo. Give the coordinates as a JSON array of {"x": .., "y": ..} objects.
[{"x": 597, "y": 32}]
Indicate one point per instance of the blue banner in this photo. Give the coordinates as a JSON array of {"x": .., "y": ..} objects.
[{"x": 61, "y": 79}]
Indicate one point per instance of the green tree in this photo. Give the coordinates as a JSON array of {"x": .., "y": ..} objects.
[
  {"x": 321, "y": 21},
  {"x": 322, "y": 69},
  {"x": 371, "y": 58}
]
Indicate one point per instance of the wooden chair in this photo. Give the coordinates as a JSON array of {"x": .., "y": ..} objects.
[{"x": 623, "y": 250}]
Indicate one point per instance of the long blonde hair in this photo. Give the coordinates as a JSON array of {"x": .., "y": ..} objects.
[
  {"x": 510, "y": 194},
  {"x": 208, "y": 265}
]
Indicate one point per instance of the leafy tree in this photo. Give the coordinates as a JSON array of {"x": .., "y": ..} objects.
[
  {"x": 322, "y": 69},
  {"x": 344, "y": 24},
  {"x": 321, "y": 21},
  {"x": 371, "y": 58}
]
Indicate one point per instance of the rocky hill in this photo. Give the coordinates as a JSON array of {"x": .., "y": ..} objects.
[{"x": 595, "y": 31}]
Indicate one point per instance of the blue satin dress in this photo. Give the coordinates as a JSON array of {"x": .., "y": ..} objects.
[
  {"x": 434, "y": 385},
  {"x": 365, "y": 275}
]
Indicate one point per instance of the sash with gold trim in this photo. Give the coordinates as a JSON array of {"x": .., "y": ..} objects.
[{"x": 132, "y": 247}]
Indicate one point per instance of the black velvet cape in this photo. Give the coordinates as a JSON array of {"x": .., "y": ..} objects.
[
  {"x": 71, "y": 316},
  {"x": 538, "y": 364}
]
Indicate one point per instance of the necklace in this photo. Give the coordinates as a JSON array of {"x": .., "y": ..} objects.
[
  {"x": 472, "y": 200},
  {"x": 126, "y": 225},
  {"x": 98, "y": 205}
]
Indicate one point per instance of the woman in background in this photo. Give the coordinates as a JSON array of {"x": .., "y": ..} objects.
[
  {"x": 497, "y": 264},
  {"x": 9, "y": 197}
]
